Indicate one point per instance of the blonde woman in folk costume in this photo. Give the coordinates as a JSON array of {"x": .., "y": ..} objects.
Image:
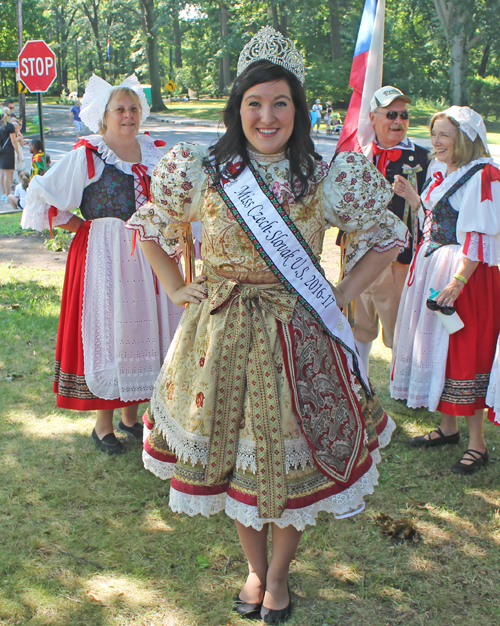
[
  {"x": 260, "y": 409},
  {"x": 115, "y": 324},
  {"x": 459, "y": 256}
]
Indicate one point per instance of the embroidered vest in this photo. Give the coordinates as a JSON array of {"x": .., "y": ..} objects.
[
  {"x": 113, "y": 195},
  {"x": 443, "y": 225}
]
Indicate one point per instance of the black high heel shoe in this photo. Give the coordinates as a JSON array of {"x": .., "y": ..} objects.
[
  {"x": 246, "y": 609},
  {"x": 277, "y": 616}
]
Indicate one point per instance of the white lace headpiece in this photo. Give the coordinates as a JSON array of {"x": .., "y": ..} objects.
[
  {"x": 470, "y": 122},
  {"x": 97, "y": 95},
  {"x": 270, "y": 45}
]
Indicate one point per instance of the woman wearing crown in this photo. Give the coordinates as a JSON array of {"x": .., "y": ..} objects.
[
  {"x": 115, "y": 325},
  {"x": 261, "y": 409}
]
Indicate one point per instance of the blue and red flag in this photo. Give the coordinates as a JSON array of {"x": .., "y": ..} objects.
[
  {"x": 366, "y": 77},
  {"x": 109, "y": 49}
]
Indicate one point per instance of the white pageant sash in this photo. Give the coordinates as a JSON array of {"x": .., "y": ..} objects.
[{"x": 288, "y": 256}]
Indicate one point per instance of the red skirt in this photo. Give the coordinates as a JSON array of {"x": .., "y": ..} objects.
[
  {"x": 69, "y": 379},
  {"x": 471, "y": 350}
]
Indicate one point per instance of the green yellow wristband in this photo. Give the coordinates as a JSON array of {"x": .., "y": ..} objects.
[{"x": 461, "y": 278}]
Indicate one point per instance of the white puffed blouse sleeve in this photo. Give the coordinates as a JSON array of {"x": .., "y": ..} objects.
[
  {"x": 178, "y": 185},
  {"x": 478, "y": 224},
  {"x": 62, "y": 186},
  {"x": 356, "y": 196}
]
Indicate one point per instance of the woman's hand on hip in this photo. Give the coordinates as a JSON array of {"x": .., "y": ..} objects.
[{"x": 193, "y": 293}]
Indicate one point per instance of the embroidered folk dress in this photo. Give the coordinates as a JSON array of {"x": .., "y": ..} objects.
[
  {"x": 450, "y": 373},
  {"x": 116, "y": 324},
  {"x": 253, "y": 397}
]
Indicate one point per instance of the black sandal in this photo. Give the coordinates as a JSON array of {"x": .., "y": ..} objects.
[
  {"x": 442, "y": 440},
  {"x": 479, "y": 460}
]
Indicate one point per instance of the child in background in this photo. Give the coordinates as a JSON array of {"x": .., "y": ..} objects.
[
  {"x": 74, "y": 118},
  {"x": 38, "y": 162},
  {"x": 18, "y": 198},
  {"x": 328, "y": 117}
]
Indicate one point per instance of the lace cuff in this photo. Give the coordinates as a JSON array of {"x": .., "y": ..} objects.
[
  {"x": 483, "y": 248},
  {"x": 391, "y": 233},
  {"x": 37, "y": 218},
  {"x": 151, "y": 223}
]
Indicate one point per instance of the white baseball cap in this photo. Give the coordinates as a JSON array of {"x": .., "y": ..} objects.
[{"x": 383, "y": 97}]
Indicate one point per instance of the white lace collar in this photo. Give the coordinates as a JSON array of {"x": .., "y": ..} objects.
[
  {"x": 266, "y": 158},
  {"x": 149, "y": 152}
]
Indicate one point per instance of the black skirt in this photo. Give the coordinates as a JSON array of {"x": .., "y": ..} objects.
[{"x": 7, "y": 157}]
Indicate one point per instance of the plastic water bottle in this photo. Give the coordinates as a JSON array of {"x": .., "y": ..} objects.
[{"x": 452, "y": 322}]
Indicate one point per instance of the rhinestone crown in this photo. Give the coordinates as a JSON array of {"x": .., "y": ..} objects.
[{"x": 270, "y": 45}]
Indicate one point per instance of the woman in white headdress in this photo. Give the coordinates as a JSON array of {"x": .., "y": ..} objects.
[
  {"x": 115, "y": 324},
  {"x": 456, "y": 267},
  {"x": 260, "y": 409}
]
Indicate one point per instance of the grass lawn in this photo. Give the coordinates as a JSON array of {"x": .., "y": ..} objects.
[
  {"x": 89, "y": 540},
  {"x": 210, "y": 109}
]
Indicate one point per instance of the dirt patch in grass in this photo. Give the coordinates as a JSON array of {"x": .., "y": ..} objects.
[{"x": 29, "y": 251}]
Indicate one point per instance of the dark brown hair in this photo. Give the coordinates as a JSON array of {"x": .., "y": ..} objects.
[{"x": 300, "y": 149}]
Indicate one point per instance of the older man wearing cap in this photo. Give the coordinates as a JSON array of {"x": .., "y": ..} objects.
[{"x": 394, "y": 154}]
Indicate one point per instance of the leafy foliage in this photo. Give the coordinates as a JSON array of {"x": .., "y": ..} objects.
[{"x": 192, "y": 48}]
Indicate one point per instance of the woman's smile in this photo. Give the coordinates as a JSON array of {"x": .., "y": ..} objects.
[{"x": 267, "y": 116}]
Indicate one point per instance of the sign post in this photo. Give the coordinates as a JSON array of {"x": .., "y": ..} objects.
[{"x": 37, "y": 70}]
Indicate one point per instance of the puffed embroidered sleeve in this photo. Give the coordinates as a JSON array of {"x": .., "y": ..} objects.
[
  {"x": 356, "y": 196},
  {"x": 177, "y": 186},
  {"x": 478, "y": 225},
  {"x": 62, "y": 186}
]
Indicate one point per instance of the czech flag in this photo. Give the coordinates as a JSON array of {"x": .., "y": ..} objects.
[
  {"x": 109, "y": 49},
  {"x": 366, "y": 77}
]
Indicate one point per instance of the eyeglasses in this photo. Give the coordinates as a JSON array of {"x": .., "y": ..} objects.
[
  {"x": 432, "y": 305},
  {"x": 393, "y": 115},
  {"x": 133, "y": 110}
]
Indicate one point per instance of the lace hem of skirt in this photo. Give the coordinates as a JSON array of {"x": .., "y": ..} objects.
[{"x": 346, "y": 504}]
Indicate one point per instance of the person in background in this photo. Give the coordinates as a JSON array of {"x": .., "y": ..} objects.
[
  {"x": 18, "y": 198},
  {"x": 9, "y": 147},
  {"x": 38, "y": 161},
  {"x": 319, "y": 109},
  {"x": 328, "y": 118},
  {"x": 455, "y": 271},
  {"x": 394, "y": 155},
  {"x": 74, "y": 118}
]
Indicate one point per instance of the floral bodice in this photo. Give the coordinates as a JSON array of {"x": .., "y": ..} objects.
[{"x": 349, "y": 194}]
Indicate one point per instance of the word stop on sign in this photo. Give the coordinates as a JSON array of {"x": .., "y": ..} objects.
[{"x": 36, "y": 66}]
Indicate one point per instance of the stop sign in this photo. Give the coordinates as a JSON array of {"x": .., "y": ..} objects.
[{"x": 37, "y": 66}]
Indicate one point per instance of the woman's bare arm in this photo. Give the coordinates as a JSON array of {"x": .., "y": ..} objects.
[{"x": 170, "y": 277}]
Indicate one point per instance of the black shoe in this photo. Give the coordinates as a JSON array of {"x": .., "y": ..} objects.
[
  {"x": 480, "y": 460},
  {"x": 442, "y": 440},
  {"x": 109, "y": 443},
  {"x": 134, "y": 431},
  {"x": 246, "y": 609},
  {"x": 277, "y": 616}
]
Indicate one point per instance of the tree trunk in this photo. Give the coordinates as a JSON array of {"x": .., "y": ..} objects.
[
  {"x": 225, "y": 65},
  {"x": 93, "y": 18},
  {"x": 177, "y": 40},
  {"x": 481, "y": 71},
  {"x": 281, "y": 25},
  {"x": 154, "y": 63},
  {"x": 335, "y": 30},
  {"x": 458, "y": 69}
]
